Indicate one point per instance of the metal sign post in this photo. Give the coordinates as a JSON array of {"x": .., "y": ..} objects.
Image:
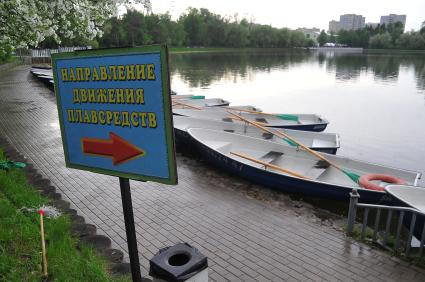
[
  {"x": 115, "y": 116},
  {"x": 130, "y": 230}
]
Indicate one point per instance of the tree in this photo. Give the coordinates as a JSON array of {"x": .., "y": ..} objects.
[
  {"x": 332, "y": 37},
  {"x": 25, "y": 23},
  {"x": 411, "y": 41},
  {"x": 283, "y": 37},
  {"x": 195, "y": 27},
  {"x": 322, "y": 38},
  {"x": 237, "y": 35},
  {"x": 114, "y": 34},
  {"x": 297, "y": 39},
  {"x": 395, "y": 30},
  {"x": 381, "y": 41}
]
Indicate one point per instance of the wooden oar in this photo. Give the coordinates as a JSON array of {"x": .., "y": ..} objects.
[
  {"x": 351, "y": 175},
  {"x": 235, "y": 108},
  {"x": 251, "y": 111},
  {"x": 281, "y": 116},
  {"x": 238, "y": 119},
  {"x": 186, "y": 105},
  {"x": 268, "y": 165}
]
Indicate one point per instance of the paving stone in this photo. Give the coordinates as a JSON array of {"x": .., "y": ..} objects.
[{"x": 205, "y": 208}]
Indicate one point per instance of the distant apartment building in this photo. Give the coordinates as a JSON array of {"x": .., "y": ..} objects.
[
  {"x": 351, "y": 21},
  {"x": 347, "y": 22},
  {"x": 312, "y": 33},
  {"x": 393, "y": 18},
  {"x": 333, "y": 26}
]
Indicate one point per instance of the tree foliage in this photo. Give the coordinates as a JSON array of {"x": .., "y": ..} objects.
[
  {"x": 381, "y": 41},
  {"x": 196, "y": 27},
  {"x": 411, "y": 40},
  {"x": 322, "y": 38},
  {"x": 383, "y": 37},
  {"x": 25, "y": 23}
]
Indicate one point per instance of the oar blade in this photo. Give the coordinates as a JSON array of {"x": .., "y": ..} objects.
[
  {"x": 197, "y": 97},
  {"x": 288, "y": 117},
  {"x": 353, "y": 176},
  {"x": 6, "y": 165}
]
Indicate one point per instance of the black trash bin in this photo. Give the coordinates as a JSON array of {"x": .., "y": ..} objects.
[{"x": 180, "y": 262}]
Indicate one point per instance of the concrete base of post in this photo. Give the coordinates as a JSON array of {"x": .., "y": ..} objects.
[
  {"x": 199, "y": 277},
  {"x": 354, "y": 198}
]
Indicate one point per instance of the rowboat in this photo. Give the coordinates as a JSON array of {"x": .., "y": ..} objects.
[
  {"x": 413, "y": 197},
  {"x": 323, "y": 142},
  {"x": 288, "y": 169},
  {"x": 308, "y": 122},
  {"x": 410, "y": 195},
  {"x": 41, "y": 71},
  {"x": 199, "y": 103},
  {"x": 44, "y": 75}
]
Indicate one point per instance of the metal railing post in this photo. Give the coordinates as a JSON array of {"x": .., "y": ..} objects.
[
  {"x": 409, "y": 237},
  {"x": 354, "y": 198}
]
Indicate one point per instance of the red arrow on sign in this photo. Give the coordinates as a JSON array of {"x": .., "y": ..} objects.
[{"x": 119, "y": 149}]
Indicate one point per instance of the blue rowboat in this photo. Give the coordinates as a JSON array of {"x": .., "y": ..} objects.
[{"x": 230, "y": 152}]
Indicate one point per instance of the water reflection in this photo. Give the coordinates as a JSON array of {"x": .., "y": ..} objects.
[
  {"x": 419, "y": 69},
  {"x": 203, "y": 69},
  {"x": 345, "y": 66}
]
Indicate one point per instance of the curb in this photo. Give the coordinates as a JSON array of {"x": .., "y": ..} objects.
[
  {"x": 7, "y": 66},
  {"x": 86, "y": 233}
]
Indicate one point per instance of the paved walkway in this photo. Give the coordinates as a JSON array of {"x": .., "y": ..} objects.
[{"x": 246, "y": 234}]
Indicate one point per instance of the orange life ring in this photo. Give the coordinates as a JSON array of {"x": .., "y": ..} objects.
[{"x": 365, "y": 181}]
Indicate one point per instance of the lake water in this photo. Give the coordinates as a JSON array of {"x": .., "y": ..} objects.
[{"x": 376, "y": 102}]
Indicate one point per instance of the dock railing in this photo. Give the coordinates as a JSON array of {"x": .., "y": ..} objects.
[
  {"x": 391, "y": 212},
  {"x": 44, "y": 55}
]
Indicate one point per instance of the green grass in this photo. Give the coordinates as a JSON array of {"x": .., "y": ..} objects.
[
  {"x": 20, "y": 247},
  {"x": 222, "y": 49},
  {"x": 393, "y": 51},
  {"x": 200, "y": 49},
  {"x": 413, "y": 256},
  {"x": 8, "y": 60}
]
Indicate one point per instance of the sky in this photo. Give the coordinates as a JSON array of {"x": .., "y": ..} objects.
[{"x": 300, "y": 13}]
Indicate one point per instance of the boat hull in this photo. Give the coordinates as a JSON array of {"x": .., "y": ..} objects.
[
  {"x": 183, "y": 138},
  {"x": 285, "y": 183},
  {"x": 319, "y": 127},
  {"x": 309, "y": 122},
  {"x": 407, "y": 219}
]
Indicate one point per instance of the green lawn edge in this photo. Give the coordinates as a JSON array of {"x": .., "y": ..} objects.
[{"x": 20, "y": 245}]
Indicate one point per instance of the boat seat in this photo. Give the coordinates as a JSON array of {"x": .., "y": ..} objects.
[
  {"x": 314, "y": 173},
  {"x": 271, "y": 156},
  {"x": 317, "y": 170},
  {"x": 262, "y": 120},
  {"x": 267, "y": 135},
  {"x": 335, "y": 176},
  {"x": 319, "y": 143}
]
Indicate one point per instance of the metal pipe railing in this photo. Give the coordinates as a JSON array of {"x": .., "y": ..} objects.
[{"x": 391, "y": 210}]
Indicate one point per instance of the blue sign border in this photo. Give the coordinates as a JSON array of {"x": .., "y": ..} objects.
[{"x": 168, "y": 120}]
